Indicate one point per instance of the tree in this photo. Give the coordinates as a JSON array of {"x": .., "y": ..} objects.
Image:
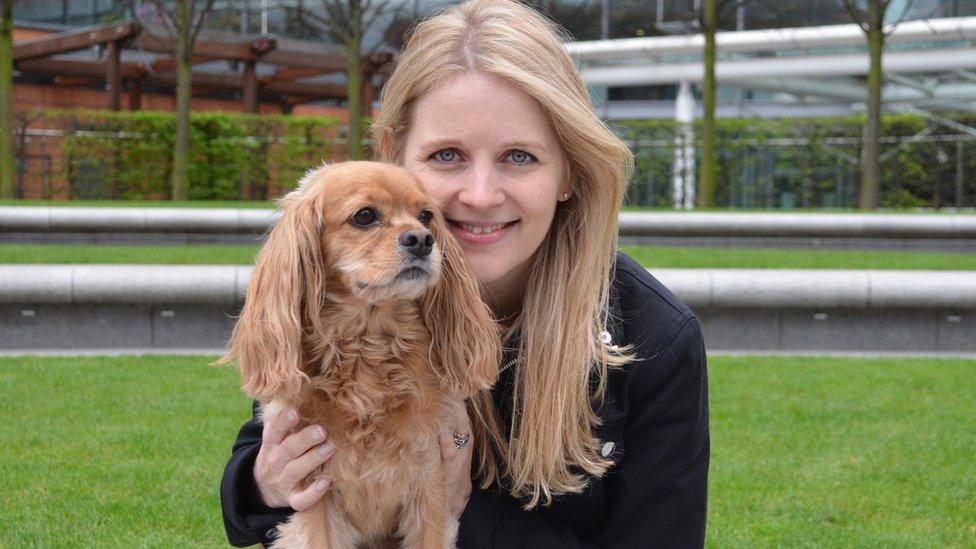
[
  {"x": 183, "y": 20},
  {"x": 6, "y": 99},
  {"x": 346, "y": 22},
  {"x": 706, "y": 178},
  {"x": 707, "y": 18},
  {"x": 872, "y": 22}
]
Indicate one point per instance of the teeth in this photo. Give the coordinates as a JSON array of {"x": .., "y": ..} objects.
[{"x": 482, "y": 230}]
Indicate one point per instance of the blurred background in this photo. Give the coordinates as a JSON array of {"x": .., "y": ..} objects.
[{"x": 805, "y": 181}]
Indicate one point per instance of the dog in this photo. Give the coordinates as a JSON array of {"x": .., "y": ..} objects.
[{"x": 363, "y": 315}]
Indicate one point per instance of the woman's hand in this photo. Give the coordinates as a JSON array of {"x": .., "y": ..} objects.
[
  {"x": 457, "y": 462},
  {"x": 284, "y": 460}
]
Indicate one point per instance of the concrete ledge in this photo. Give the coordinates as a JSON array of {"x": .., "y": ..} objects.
[
  {"x": 798, "y": 225},
  {"x": 135, "y": 220},
  {"x": 632, "y": 224},
  {"x": 48, "y": 307},
  {"x": 699, "y": 288},
  {"x": 123, "y": 284}
]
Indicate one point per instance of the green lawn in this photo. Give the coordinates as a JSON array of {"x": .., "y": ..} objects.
[
  {"x": 650, "y": 256},
  {"x": 779, "y": 258},
  {"x": 805, "y": 451},
  {"x": 196, "y": 254}
]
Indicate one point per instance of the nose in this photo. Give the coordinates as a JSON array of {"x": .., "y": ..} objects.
[
  {"x": 480, "y": 190},
  {"x": 418, "y": 243}
]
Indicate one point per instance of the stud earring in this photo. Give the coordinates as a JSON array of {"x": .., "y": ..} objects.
[{"x": 564, "y": 197}]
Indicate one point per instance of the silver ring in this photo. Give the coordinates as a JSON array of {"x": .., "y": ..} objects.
[{"x": 460, "y": 441}]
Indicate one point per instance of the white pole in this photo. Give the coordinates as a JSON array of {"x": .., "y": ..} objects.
[{"x": 683, "y": 187}]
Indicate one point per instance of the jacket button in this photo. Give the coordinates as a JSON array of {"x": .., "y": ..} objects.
[
  {"x": 271, "y": 533},
  {"x": 607, "y": 449}
]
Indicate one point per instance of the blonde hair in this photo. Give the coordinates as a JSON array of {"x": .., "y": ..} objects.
[{"x": 550, "y": 444}]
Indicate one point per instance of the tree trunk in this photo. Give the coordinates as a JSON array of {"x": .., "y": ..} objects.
[
  {"x": 184, "y": 85},
  {"x": 706, "y": 179},
  {"x": 6, "y": 99},
  {"x": 871, "y": 156},
  {"x": 354, "y": 83}
]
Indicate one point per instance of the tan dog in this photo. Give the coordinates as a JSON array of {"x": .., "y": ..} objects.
[{"x": 362, "y": 314}]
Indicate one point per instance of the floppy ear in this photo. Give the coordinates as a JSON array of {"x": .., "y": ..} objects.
[
  {"x": 283, "y": 299},
  {"x": 465, "y": 336}
]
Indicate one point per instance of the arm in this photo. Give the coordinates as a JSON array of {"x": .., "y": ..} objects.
[
  {"x": 246, "y": 519},
  {"x": 659, "y": 489}
]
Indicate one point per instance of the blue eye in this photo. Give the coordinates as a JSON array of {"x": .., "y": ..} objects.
[
  {"x": 446, "y": 155},
  {"x": 521, "y": 157}
]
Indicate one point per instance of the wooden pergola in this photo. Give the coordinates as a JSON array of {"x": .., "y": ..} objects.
[{"x": 284, "y": 86}]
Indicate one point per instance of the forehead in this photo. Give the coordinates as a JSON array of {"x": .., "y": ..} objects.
[{"x": 477, "y": 107}]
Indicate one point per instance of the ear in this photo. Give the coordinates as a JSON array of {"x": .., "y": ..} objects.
[
  {"x": 283, "y": 299},
  {"x": 465, "y": 336}
]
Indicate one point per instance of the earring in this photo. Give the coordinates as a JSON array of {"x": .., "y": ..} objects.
[{"x": 564, "y": 197}]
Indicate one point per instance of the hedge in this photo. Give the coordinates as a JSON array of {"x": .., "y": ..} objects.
[
  {"x": 811, "y": 162},
  {"x": 762, "y": 163},
  {"x": 128, "y": 155}
]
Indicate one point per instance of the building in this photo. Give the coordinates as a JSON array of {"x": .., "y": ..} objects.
[{"x": 642, "y": 61}]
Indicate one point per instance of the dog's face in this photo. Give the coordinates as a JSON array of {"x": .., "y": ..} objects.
[
  {"x": 379, "y": 230},
  {"x": 354, "y": 233}
]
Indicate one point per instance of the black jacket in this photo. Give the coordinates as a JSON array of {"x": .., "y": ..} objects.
[{"x": 655, "y": 426}]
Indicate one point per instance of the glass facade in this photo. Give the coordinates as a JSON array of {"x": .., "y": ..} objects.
[{"x": 583, "y": 19}]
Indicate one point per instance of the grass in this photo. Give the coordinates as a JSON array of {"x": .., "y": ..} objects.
[
  {"x": 196, "y": 254},
  {"x": 781, "y": 258},
  {"x": 649, "y": 256},
  {"x": 805, "y": 451},
  {"x": 835, "y": 452}
]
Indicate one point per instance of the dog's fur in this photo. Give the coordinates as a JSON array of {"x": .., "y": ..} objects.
[{"x": 331, "y": 326}]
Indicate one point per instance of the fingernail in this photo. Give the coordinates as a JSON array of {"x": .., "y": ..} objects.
[
  {"x": 318, "y": 433},
  {"x": 321, "y": 485},
  {"x": 326, "y": 448},
  {"x": 291, "y": 415}
]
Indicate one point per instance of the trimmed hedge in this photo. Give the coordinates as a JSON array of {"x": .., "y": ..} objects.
[
  {"x": 762, "y": 163},
  {"x": 810, "y": 162},
  {"x": 128, "y": 155}
]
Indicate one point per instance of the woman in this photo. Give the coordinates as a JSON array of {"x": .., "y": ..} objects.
[{"x": 597, "y": 431}]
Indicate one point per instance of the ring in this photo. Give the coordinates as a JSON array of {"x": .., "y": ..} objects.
[{"x": 460, "y": 441}]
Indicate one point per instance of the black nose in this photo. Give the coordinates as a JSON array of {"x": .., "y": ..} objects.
[{"x": 419, "y": 243}]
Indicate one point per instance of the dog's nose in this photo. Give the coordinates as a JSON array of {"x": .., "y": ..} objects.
[{"x": 419, "y": 243}]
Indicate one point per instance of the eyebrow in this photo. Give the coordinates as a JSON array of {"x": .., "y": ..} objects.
[{"x": 438, "y": 144}]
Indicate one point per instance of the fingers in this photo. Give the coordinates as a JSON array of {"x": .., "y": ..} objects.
[
  {"x": 285, "y": 460},
  {"x": 304, "y": 499},
  {"x": 279, "y": 426},
  {"x": 296, "y": 445},
  {"x": 299, "y": 468}
]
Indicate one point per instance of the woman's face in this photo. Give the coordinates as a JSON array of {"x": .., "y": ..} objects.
[{"x": 485, "y": 151}]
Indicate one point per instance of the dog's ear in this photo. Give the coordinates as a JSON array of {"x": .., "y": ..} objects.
[
  {"x": 465, "y": 336},
  {"x": 284, "y": 297}
]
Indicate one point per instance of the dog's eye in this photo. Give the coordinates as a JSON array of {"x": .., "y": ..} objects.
[
  {"x": 365, "y": 217},
  {"x": 425, "y": 217}
]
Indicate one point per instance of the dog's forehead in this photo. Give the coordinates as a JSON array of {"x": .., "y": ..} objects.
[{"x": 379, "y": 184}]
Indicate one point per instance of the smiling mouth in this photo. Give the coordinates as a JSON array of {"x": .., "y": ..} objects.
[{"x": 482, "y": 229}]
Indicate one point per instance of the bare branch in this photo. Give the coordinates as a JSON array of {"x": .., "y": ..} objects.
[
  {"x": 161, "y": 11},
  {"x": 198, "y": 20},
  {"x": 857, "y": 16},
  {"x": 381, "y": 9},
  {"x": 888, "y": 29}
]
